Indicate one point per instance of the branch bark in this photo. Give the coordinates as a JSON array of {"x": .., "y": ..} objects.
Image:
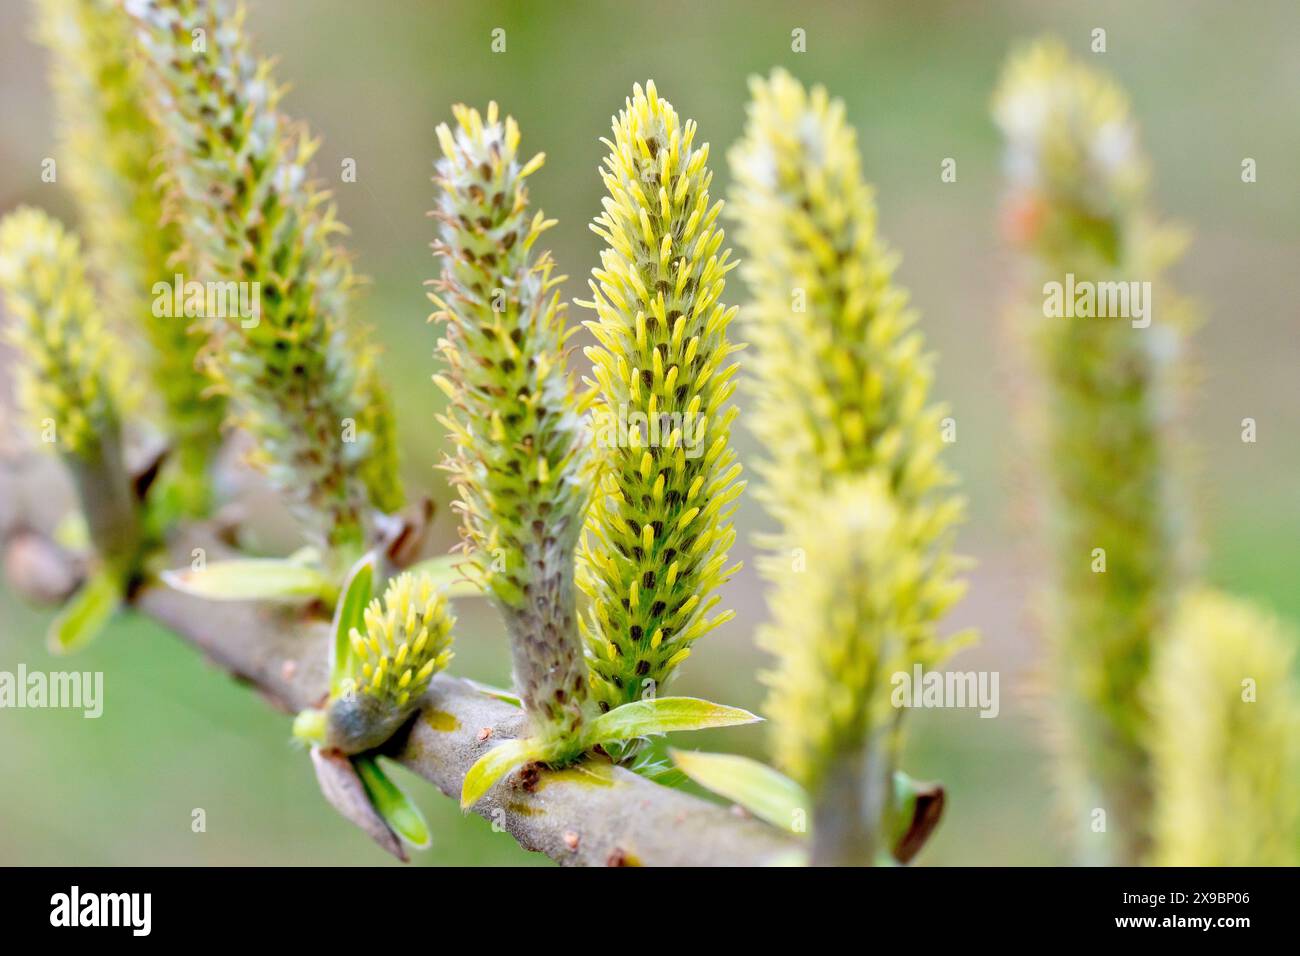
[{"x": 596, "y": 814}]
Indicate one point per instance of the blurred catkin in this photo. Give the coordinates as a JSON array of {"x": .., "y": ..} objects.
[
  {"x": 110, "y": 146},
  {"x": 1225, "y": 737},
  {"x": 1077, "y": 205},
  {"x": 407, "y": 639},
  {"x": 845, "y": 615},
  {"x": 71, "y": 383},
  {"x": 840, "y": 381},
  {"x": 659, "y": 529},
  {"x": 521, "y": 465},
  {"x": 302, "y": 377},
  {"x": 861, "y": 570}
]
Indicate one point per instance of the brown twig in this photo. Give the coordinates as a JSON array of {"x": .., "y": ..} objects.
[{"x": 596, "y": 814}]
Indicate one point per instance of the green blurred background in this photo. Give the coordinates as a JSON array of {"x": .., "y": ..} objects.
[{"x": 1211, "y": 83}]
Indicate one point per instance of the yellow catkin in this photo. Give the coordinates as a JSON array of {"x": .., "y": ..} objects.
[
  {"x": 860, "y": 571},
  {"x": 1225, "y": 737},
  {"x": 408, "y": 639},
  {"x": 664, "y": 378},
  {"x": 72, "y": 386},
  {"x": 69, "y": 377},
  {"x": 110, "y": 155}
]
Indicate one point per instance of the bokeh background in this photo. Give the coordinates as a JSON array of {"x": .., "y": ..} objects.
[{"x": 1211, "y": 83}]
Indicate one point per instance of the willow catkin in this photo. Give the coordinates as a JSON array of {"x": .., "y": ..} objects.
[
  {"x": 302, "y": 377},
  {"x": 659, "y": 528},
  {"x": 1077, "y": 208},
  {"x": 110, "y": 149},
  {"x": 521, "y": 450},
  {"x": 860, "y": 570}
]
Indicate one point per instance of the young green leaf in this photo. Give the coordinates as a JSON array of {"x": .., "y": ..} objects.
[
  {"x": 662, "y": 715},
  {"x": 505, "y": 696},
  {"x": 765, "y": 792},
  {"x": 637, "y": 719},
  {"x": 772, "y": 796},
  {"x": 496, "y": 763},
  {"x": 85, "y": 615},
  {"x": 350, "y": 613},
  {"x": 403, "y": 816},
  {"x": 252, "y": 579}
]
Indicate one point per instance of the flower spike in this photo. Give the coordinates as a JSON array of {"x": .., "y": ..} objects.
[
  {"x": 111, "y": 146},
  {"x": 299, "y": 374},
  {"x": 521, "y": 459},
  {"x": 1077, "y": 209},
  {"x": 1225, "y": 737},
  {"x": 861, "y": 570},
  {"x": 405, "y": 639},
  {"x": 70, "y": 385},
  {"x": 659, "y": 529}
]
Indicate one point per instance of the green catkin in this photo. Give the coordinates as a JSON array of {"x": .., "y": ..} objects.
[
  {"x": 109, "y": 145},
  {"x": 840, "y": 380},
  {"x": 659, "y": 529},
  {"x": 300, "y": 377},
  {"x": 407, "y": 639},
  {"x": 845, "y": 621},
  {"x": 521, "y": 462},
  {"x": 860, "y": 570},
  {"x": 1077, "y": 204},
  {"x": 71, "y": 384},
  {"x": 1225, "y": 737}
]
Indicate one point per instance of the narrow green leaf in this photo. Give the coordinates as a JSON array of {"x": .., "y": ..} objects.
[
  {"x": 85, "y": 615},
  {"x": 765, "y": 792},
  {"x": 403, "y": 816},
  {"x": 350, "y": 613},
  {"x": 505, "y": 696},
  {"x": 447, "y": 576},
  {"x": 662, "y": 715},
  {"x": 495, "y": 764},
  {"x": 252, "y": 579}
]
